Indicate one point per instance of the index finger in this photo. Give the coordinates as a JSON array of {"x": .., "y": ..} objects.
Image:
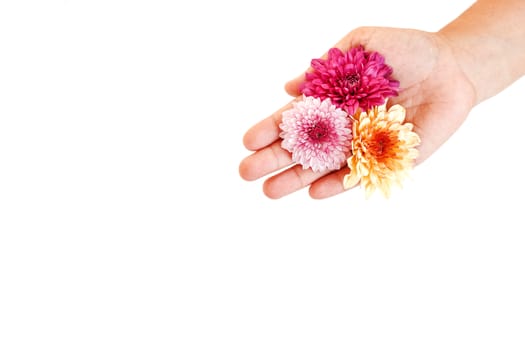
[{"x": 265, "y": 132}]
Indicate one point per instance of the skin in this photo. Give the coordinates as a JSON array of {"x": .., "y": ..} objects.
[{"x": 443, "y": 75}]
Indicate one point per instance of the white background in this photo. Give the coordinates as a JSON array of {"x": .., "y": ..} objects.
[{"x": 124, "y": 223}]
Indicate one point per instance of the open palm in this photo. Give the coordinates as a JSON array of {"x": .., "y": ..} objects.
[{"x": 433, "y": 89}]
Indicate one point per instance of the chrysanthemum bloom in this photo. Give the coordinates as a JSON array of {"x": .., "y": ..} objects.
[
  {"x": 351, "y": 80},
  {"x": 317, "y": 133},
  {"x": 383, "y": 149}
]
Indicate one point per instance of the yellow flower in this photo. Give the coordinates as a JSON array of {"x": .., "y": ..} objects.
[{"x": 383, "y": 149}]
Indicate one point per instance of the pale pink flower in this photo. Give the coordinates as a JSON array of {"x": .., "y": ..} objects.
[
  {"x": 317, "y": 133},
  {"x": 351, "y": 80}
]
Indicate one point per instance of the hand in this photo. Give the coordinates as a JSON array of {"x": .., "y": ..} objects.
[{"x": 434, "y": 90}]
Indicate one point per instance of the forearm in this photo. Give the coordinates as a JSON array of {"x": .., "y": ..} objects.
[{"x": 488, "y": 40}]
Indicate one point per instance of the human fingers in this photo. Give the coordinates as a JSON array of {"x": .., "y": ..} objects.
[
  {"x": 265, "y": 161},
  {"x": 290, "y": 180},
  {"x": 329, "y": 185},
  {"x": 266, "y": 131}
]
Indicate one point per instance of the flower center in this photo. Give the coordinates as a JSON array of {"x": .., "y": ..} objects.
[
  {"x": 352, "y": 79},
  {"x": 382, "y": 145},
  {"x": 318, "y": 132}
]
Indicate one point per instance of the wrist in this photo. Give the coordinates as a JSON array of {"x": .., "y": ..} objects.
[
  {"x": 488, "y": 43},
  {"x": 483, "y": 62}
]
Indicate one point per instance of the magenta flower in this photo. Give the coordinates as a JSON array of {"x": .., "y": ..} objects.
[
  {"x": 350, "y": 80},
  {"x": 317, "y": 133}
]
